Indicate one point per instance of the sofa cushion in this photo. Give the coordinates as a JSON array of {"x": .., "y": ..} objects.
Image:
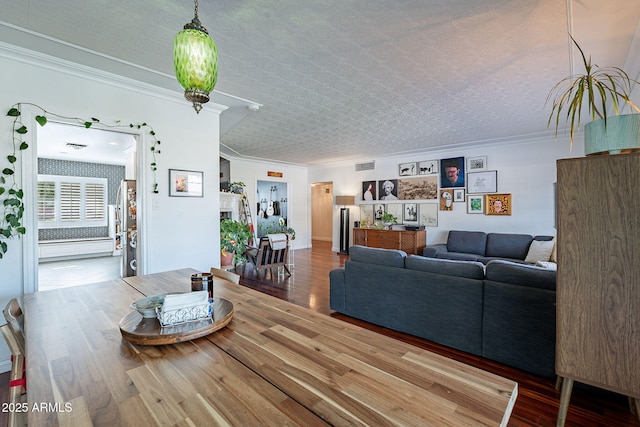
[
  {"x": 472, "y": 242},
  {"x": 508, "y": 245},
  {"x": 384, "y": 257},
  {"x": 539, "y": 251},
  {"x": 469, "y": 269},
  {"x": 521, "y": 274}
]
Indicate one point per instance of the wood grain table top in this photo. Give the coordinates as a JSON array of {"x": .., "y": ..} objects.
[{"x": 275, "y": 363}]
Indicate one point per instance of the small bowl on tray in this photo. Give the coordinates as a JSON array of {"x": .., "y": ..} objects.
[{"x": 147, "y": 306}]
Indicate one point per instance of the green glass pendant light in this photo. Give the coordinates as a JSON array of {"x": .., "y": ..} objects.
[{"x": 195, "y": 58}]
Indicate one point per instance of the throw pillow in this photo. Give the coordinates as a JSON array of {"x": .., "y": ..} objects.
[
  {"x": 539, "y": 251},
  {"x": 547, "y": 264},
  {"x": 554, "y": 252}
]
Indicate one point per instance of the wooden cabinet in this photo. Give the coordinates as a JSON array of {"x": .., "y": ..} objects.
[
  {"x": 598, "y": 280},
  {"x": 410, "y": 241}
]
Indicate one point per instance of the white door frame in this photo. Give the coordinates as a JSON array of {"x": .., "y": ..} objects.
[{"x": 29, "y": 165}]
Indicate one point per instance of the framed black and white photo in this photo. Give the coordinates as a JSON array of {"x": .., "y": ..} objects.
[
  {"x": 458, "y": 195},
  {"x": 428, "y": 214},
  {"x": 482, "y": 182},
  {"x": 378, "y": 211},
  {"x": 428, "y": 167},
  {"x": 407, "y": 169},
  {"x": 476, "y": 164},
  {"x": 421, "y": 188},
  {"x": 184, "y": 183},
  {"x": 410, "y": 212},
  {"x": 388, "y": 189}
]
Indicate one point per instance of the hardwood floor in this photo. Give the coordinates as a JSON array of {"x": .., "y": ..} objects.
[{"x": 537, "y": 403}]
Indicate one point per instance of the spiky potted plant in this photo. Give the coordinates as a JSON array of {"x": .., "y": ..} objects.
[{"x": 599, "y": 88}]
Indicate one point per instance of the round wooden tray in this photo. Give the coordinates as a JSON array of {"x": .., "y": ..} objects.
[{"x": 138, "y": 330}]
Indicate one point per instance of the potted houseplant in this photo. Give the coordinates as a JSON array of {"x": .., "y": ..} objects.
[
  {"x": 388, "y": 219},
  {"x": 234, "y": 239},
  {"x": 597, "y": 87}
]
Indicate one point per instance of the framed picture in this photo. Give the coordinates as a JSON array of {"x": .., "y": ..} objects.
[
  {"x": 395, "y": 209},
  {"x": 475, "y": 204},
  {"x": 452, "y": 172},
  {"x": 368, "y": 190},
  {"x": 446, "y": 199},
  {"x": 407, "y": 169},
  {"x": 366, "y": 215},
  {"x": 183, "y": 183},
  {"x": 458, "y": 195},
  {"x": 482, "y": 182},
  {"x": 428, "y": 167},
  {"x": 410, "y": 212},
  {"x": 422, "y": 188},
  {"x": 378, "y": 210},
  {"x": 388, "y": 189},
  {"x": 498, "y": 204},
  {"x": 475, "y": 164},
  {"x": 428, "y": 214}
]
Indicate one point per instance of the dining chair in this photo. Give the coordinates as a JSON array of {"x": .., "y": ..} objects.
[
  {"x": 265, "y": 257},
  {"x": 13, "y": 315},
  {"x": 13, "y": 333},
  {"x": 224, "y": 274}
]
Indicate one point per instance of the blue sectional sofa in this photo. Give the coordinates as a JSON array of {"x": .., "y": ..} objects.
[
  {"x": 483, "y": 247},
  {"x": 503, "y": 311}
]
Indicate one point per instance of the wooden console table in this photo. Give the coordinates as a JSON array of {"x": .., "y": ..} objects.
[{"x": 410, "y": 241}]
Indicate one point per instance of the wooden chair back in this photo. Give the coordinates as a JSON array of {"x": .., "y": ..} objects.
[
  {"x": 224, "y": 274},
  {"x": 13, "y": 315}
]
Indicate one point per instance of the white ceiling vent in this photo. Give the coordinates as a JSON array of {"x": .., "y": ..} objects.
[
  {"x": 76, "y": 146},
  {"x": 365, "y": 166}
]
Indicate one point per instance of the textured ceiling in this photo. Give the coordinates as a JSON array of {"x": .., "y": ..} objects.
[{"x": 357, "y": 79}]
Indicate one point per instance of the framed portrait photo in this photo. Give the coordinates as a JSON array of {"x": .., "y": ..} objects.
[
  {"x": 388, "y": 189},
  {"x": 475, "y": 204},
  {"x": 369, "y": 190},
  {"x": 498, "y": 204},
  {"x": 452, "y": 172},
  {"x": 482, "y": 182},
  {"x": 476, "y": 164},
  {"x": 184, "y": 183}
]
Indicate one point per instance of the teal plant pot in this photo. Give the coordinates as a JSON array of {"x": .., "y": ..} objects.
[{"x": 621, "y": 135}]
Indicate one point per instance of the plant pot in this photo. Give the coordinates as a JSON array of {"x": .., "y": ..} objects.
[
  {"x": 621, "y": 134},
  {"x": 226, "y": 260}
]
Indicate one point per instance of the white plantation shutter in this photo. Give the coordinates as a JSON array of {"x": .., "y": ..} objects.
[
  {"x": 94, "y": 202},
  {"x": 46, "y": 201},
  {"x": 69, "y": 201}
]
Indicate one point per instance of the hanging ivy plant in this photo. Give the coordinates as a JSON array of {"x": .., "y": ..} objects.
[{"x": 13, "y": 205}]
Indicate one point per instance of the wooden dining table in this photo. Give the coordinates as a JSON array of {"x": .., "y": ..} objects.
[{"x": 274, "y": 364}]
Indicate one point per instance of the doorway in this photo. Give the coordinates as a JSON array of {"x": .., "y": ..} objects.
[
  {"x": 322, "y": 211},
  {"x": 88, "y": 247}
]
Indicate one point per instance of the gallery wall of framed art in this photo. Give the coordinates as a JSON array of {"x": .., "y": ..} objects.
[{"x": 423, "y": 188}]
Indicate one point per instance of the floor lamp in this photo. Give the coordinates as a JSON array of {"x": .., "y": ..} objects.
[{"x": 344, "y": 201}]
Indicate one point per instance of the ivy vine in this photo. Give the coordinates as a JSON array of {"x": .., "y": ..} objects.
[{"x": 13, "y": 204}]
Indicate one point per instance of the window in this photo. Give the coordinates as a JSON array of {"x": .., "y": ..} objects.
[{"x": 69, "y": 201}]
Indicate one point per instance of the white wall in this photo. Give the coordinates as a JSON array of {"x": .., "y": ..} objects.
[
  {"x": 250, "y": 171},
  {"x": 181, "y": 232},
  {"x": 527, "y": 170}
]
